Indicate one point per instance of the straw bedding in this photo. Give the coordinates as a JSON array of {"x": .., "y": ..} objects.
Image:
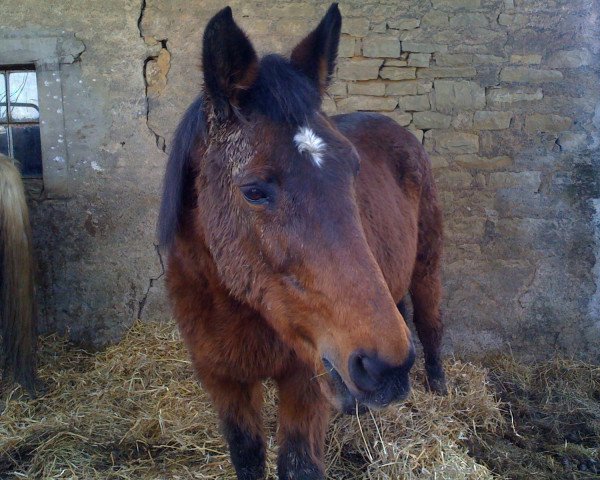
[{"x": 136, "y": 411}]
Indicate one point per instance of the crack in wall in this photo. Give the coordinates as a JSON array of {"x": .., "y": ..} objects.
[
  {"x": 151, "y": 282},
  {"x": 141, "y": 18},
  {"x": 154, "y": 71}
]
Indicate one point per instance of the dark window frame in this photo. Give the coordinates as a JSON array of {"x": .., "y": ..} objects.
[
  {"x": 50, "y": 52},
  {"x": 9, "y": 123}
]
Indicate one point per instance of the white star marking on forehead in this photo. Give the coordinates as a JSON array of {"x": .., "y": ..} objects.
[{"x": 306, "y": 140}]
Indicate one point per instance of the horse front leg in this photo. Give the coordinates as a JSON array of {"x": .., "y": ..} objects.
[
  {"x": 239, "y": 408},
  {"x": 426, "y": 295},
  {"x": 303, "y": 417}
]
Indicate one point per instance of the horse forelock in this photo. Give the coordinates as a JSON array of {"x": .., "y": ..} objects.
[{"x": 282, "y": 93}]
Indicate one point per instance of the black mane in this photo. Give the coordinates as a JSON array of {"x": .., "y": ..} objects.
[
  {"x": 179, "y": 174},
  {"x": 280, "y": 93}
]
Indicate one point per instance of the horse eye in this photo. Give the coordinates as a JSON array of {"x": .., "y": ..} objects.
[{"x": 255, "y": 194}]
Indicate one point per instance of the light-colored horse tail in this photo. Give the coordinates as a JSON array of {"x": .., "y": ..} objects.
[{"x": 18, "y": 313}]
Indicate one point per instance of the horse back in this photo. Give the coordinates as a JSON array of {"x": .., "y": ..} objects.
[{"x": 395, "y": 174}]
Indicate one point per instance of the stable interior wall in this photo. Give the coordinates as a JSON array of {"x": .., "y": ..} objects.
[{"x": 503, "y": 93}]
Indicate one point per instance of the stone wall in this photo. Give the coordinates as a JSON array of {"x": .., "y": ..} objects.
[{"x": 504, "y": 94}]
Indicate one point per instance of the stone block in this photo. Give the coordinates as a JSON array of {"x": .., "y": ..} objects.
[
  {"x": 491, "y": 120},
  {"x": 453, "y": 59},
  {"x": 407, "y": 87},
  {"x": 417, "y": 133},
  {"x": 338, "y": 89},
  {"x": 527, "y": 180},
  {"x": 435, "y": 18},
  {"x": 367, "y": 88},
  {"x": 355, "y": 26},
  {"x": 479, "y": 181},
  {"x": 380, "y": 46},
  {"x": 366, "y": 103},
  {"x": 572, "y": 142},
  {"x": 513, "y": 95},
  {"x": 483, "y": 163},
  {"x": 398, "y": 73},
  {"x": 451, "y": 95},
  {"x": 414, "y": 103},
  {"x": 446, "y": 72},
  {"x": 395, "y": 62},
  {"x": 419, "y": 59},
  {"x": 156, "y": 72},
  {"x": 379, "y": 27},
  {"x": 292, "y": 10},
  {"x": 570, "y": 58},
  {"x": 418, "y": 47},
  {"x": 529, "y": 75},
  {"x": 512, "y": 19},
  {"x": 484, "y": 59},
  {"x": 469, "y": 20},
  {"x": 424, "y": 87},
  {"x": 456, "y": 142},
  {"x": 547, "y": 123},
  {"x": 450, "y": 180},
  {"x": 359, "y": 69},
  {"x": 290, "y": 26},
  {"x": 465, "y": 229},
  {"x": 404, "y": 23},
  {"x": 329, "y": 106},
  {"x": 402, "y": 118},
  {"x": 258, "y": 26},
  {"x": 526, "y": 59},
  {"x": 438, "y": 161},
  {"x": 347, "y": 46},
  {"x": 463, "y": 121},
  {"x": 429, "y": 120},
  {"x": 451, "y": 5}
]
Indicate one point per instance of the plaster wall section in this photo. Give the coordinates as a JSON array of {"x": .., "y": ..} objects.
[{"x": 503, "y": 94}]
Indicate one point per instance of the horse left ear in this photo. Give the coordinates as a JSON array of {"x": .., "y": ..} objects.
[
  {"x": 315, "y": 55},
  {"x": 229, "y": 63}
]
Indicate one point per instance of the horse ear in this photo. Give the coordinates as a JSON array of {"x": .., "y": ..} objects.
[
  {"x": 229, "y": 62},
  {"x": 316, "y": 54}
]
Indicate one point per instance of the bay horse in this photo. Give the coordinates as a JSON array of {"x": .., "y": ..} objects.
[
  {"x": 17, "y": 306},
  {"x": 292, "y": 237}
]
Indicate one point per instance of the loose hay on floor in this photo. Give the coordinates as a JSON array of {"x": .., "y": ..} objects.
[
  {"x": 553, "y": 420},
  {"x": 135, "y": 411}
]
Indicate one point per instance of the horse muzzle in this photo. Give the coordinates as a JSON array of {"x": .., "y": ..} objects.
[{"x": 375, "y": 383}]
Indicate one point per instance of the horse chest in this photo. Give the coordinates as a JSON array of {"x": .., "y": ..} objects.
[{"x": 247, "y": 347}]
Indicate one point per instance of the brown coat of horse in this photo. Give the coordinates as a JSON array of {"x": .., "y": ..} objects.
[
  {"x": 17, "y": 306},
  {"x": 292, "y": 238}
]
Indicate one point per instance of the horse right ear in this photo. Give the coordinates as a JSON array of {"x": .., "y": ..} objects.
[
  {"x": 316, "y": 54},
  {"x": 229, "y": 63}
]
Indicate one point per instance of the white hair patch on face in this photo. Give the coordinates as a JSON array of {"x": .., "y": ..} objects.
[{"x": 306, "y": 140}]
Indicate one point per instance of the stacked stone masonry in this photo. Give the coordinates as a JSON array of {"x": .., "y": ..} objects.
[{"x": 504, "y": 94}]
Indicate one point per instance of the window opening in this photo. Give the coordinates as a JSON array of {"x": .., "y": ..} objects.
[{"x": 20, "y": 118}]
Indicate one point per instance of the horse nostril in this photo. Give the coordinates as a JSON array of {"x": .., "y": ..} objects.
[
  {"x": 367, "y": 372},
  {"x": 374, "y": 367}
]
